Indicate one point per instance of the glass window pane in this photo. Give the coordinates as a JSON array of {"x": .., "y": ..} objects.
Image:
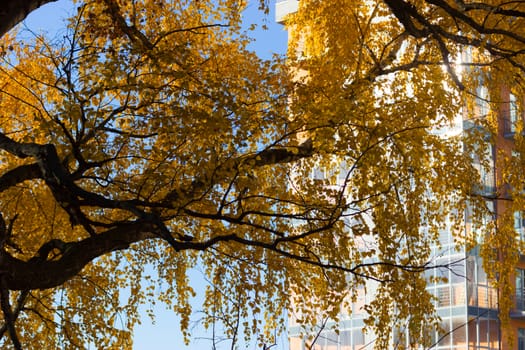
[
  {"x": 459, "y": 337},
  {"x": 444, "y": 336},
  {"x": 521, "y": 339}
]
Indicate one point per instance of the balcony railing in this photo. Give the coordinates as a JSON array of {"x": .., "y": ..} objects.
[
  {"x": 487, "y": 185},
  {"x": 518, "y": 307},
  {"x": 509, "y": 128},
  {"x": 482, "y": 296}
]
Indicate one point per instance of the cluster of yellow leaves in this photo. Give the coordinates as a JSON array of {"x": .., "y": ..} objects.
[
  {"x": 160, "y": 102},
  {"x": 141, "y": 109},
  {"x": 384, "y": 103}
]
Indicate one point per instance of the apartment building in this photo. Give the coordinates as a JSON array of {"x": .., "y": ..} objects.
[{"x": 466, "y": 301}]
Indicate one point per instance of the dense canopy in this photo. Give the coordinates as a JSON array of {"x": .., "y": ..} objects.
[{"x": 148, "y": 135}]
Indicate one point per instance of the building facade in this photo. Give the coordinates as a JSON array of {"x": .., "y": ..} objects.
[{"x": 466, "y": 301}]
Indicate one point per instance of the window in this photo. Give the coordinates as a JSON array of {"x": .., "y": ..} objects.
[
  {"x": 521, "y": 339},
  {"x": 518, "y": 225},
  {"x": 443, "y": 296},
  {"x": 483, "y": 159},
  {"x": 482, "y": 99},
  {"x": 520, "y": 289},
  {"x": 513, "y": 112},
  {"x": 318, "y": 173}
]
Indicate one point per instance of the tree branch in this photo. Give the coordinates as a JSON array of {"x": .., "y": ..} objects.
[
  {"x": 40, "y": 273},
  {"x": 19, "y": 306},
  {"x": 18, "y": 175},
  {"x": 8, "y": 315},
  {"x": 15, "y": 11}
]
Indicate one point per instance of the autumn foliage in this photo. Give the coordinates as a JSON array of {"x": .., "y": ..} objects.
[{"x": 149, "y": 138}]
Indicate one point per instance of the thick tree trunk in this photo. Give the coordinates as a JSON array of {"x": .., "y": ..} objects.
[
  {"x": 13, "y": 12},
  {"x": 40, "y": 273}
]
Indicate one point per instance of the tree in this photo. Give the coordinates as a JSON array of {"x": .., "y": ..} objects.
[
  {"x": 150, "y": 135},
  {"x": 397, "y": 70},
  {"x": 13, "y": 12}
]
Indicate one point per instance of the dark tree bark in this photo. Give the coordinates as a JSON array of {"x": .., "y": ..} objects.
[{"x": 13, "y": 12}]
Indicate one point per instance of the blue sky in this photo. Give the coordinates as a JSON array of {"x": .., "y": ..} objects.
[
  {"x": 165, "y": 333},
  {"x": 49, "y": 18}
]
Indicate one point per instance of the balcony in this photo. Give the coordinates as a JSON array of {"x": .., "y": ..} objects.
[
  {"x": 509, "y": 128},
  {"x": 472, "y": 124},
  {"x": 486, "y": 187},
  {"x": 475, "y": 125},
  {"x": 518, "y": 308},
  {"x": 284, "y": 8}
]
